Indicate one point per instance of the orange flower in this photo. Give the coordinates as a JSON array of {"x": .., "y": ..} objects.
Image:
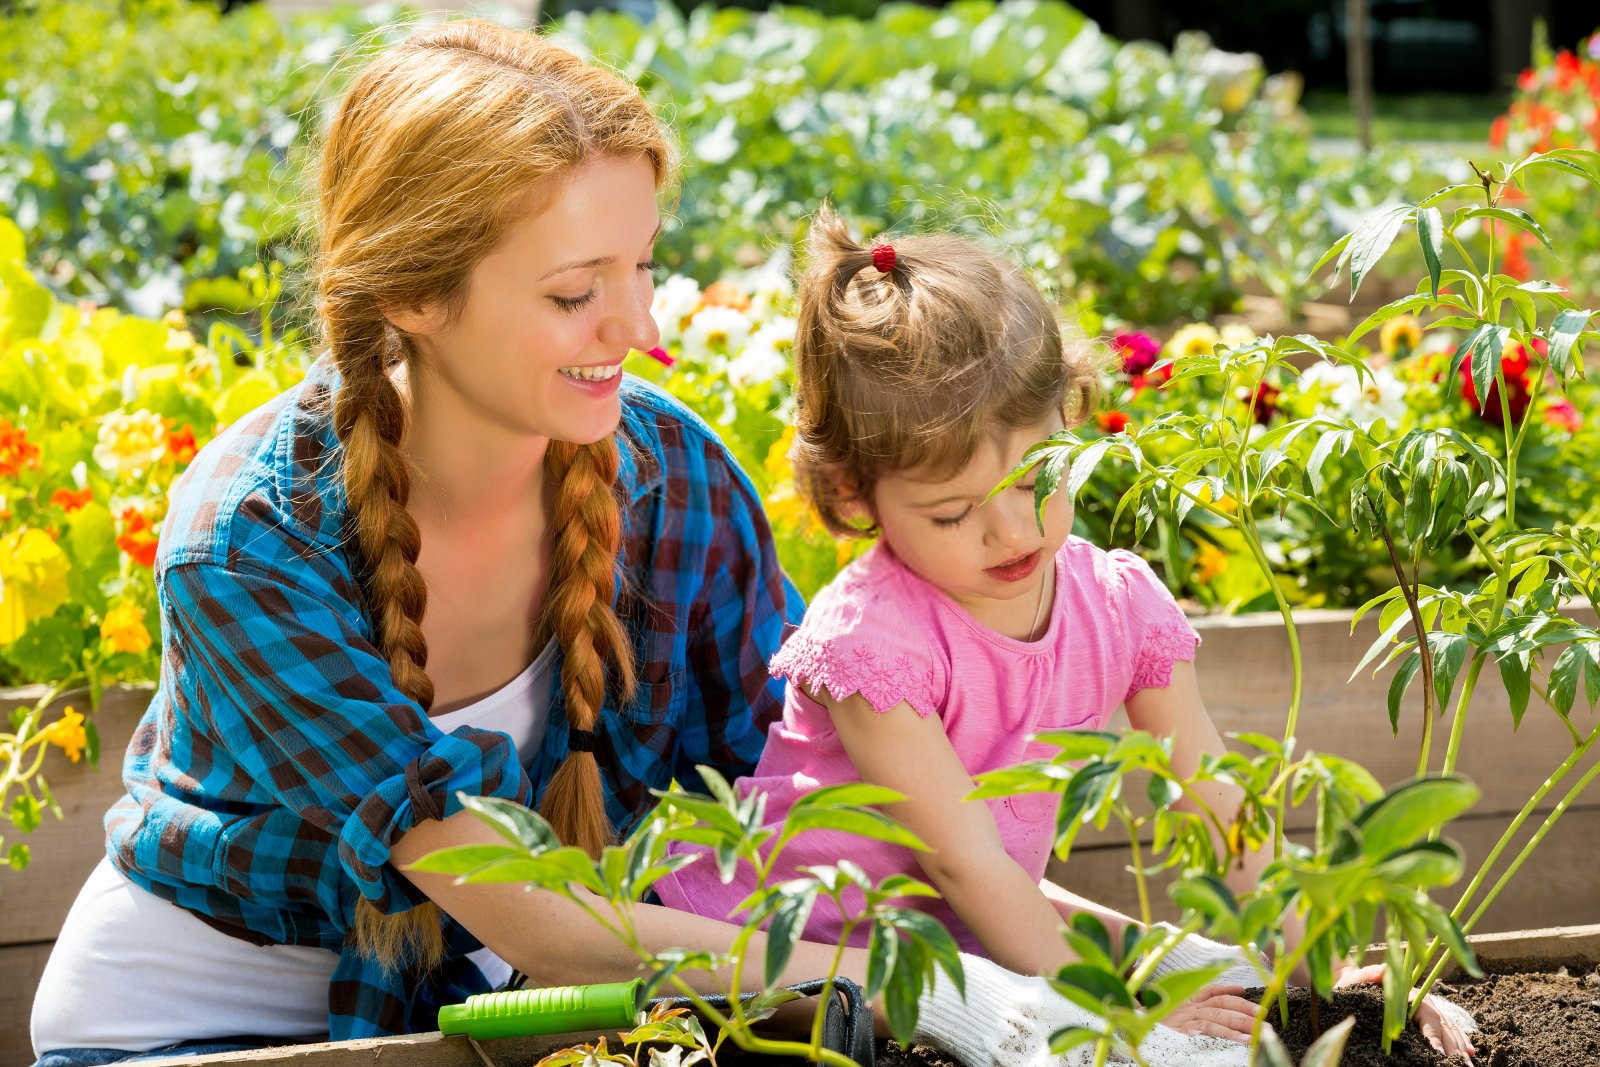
[
  {"x": 16, "y": 451},
  {"x": 1497, "y": 132},
  {"x": 138, "y": 539},
  {"x": 68, "y": 500},
  {"x": 722, "y": 293},
  {"x": 1111, "y": 421},
  {"x": 181, "y": 445},
  {"x": 68, "y": 734}
]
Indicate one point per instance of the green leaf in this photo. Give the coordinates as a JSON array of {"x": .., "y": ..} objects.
[
  {"x": 1207, "y": 895},
  {"x": 1328, "y": 1050},
  {"x": 1449, "y": 653},
  {"x": 1371, "y": 240},
  {"x": 1070, "y": 1037},
  {"x": 1410, "y": 810},
  {"x": 512, "y": 821},
  {"x": 1514, "y": 675},
  {"x": 863, "y": 822},
  {"x": 1273, "y": 1054},
  {"x": 882, "y": 950},
  {"x": 1178, "y": 986},
  {"x": 1485, "y": 355},
  {"x": 1397, "y": 688},
  {"x": 1092, "y": 988},
  {"x": 1430, "y": 234},
  {"x": 18, "y": 856},
  {"x": 851, "y": 794},
  {"x": 1045, "y": 485},
  {"x": 1444, "y": 927},
  {"x": 1512, "y": 215},
  {"x": 1562, "y": 689},
  {"x": 1563, "y": 335},
  {"x": 787, "y": 926},
  {"x": 1421, "y": 866},
  {"x": 1077, "y": 745},
  {"x": 1083, "y": 466},
  {"x": 465, "y": 858}
]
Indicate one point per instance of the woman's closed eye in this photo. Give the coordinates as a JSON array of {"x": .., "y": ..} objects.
[{"x": 574, "y": 303}]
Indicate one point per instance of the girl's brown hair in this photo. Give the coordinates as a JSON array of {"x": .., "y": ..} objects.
[
  {"x": 914, "y": 367},
  {"x": 431, "y": 156}
]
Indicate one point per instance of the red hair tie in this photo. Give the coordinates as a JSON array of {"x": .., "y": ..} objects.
[{"x": 883, "y": 258}]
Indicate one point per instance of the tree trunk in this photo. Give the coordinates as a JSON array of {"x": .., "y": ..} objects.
[{"x": 1358, "y": 68}]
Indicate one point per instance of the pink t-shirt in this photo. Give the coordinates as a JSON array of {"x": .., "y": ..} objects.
[{"x": 883, "y": 631}]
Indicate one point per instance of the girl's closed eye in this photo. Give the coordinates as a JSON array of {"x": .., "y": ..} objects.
[{"x": 952, "y": 520}]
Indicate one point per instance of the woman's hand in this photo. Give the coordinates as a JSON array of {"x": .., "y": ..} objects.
[{"x": 1446, "y": 1026}]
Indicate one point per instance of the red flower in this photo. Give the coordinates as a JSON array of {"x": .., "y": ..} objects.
[
  {"x": 1564, "y": 415},
  {"x": 1264, "y": 404},
  {"x": 67, "y": 500},
  {"x": 1516, "y": 262},
  {"x": 1154, "y": 380},
  {"x": 1514, "y": 367},
  {"x": 1567, "y": 70},
  {"x": 181, "y": 445},
  {"x": 1497, "y": 132},
  {"x": 1528, "y": 80},
  {"x": 16, "y": 451},
  {"x": 1137, "y": 351},
  {"x": 1111, "y": 421},
  {"x": 138, "y": 539}
]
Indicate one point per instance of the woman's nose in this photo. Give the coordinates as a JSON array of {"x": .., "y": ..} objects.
[{"x": 632, "y": 324}]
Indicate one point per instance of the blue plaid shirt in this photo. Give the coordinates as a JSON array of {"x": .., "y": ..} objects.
[{"x": 278, "y": 761}]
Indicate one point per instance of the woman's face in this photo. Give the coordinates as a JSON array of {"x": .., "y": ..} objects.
[{"x": 536, "y": 348}]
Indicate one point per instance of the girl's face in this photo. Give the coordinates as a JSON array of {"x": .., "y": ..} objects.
[
  {"x": 990, "y": 558},
  {"x": 536, "y": 347}
]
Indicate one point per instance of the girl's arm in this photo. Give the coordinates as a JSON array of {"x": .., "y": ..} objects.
[{"x": 967, "y": 863}]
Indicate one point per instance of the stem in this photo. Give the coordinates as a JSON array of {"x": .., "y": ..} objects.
[
  {"x": 1408, "y": 590},
  {"x": 827, "y": 991},
  {"x": 1510, "y": 831},
  {"x": 1138, "y": 867},
  {"x": 1527, "y": 850},
  {"x": 1286, "y": 965},
  {"x": 1297, "y": 672}
]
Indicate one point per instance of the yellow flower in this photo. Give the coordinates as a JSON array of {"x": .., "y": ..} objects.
[
  {"x": 123, "y": 629},
  {"x": 1237, "y": 334},
  {"x": 777, "y": 463},
  {"x": 33, "y": 580},
  {"x": 129, "y": 440},
  {"x": 67, "y": 734},
  {"x": 1400, "y": 336},
  {"x": 1209, "y": 562},
  {"x": 1195, "y": 339}
]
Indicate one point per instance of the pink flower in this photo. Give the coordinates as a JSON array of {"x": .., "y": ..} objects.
[
  {"x": 1137, "y": 351},
  {"x": 1564, "y": 415}
]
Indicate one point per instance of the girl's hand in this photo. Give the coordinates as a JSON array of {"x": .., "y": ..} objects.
[
  {"x": 1217, "y": 1011},
  {"x": 1447, "y": 1026}
]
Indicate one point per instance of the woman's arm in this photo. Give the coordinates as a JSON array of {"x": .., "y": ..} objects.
[
  {"x": 553, "y": 941},
  {"x": 967, "y": 862}
]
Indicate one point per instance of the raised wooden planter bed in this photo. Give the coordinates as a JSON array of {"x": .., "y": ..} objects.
[{"x": 1244, "y": 677}]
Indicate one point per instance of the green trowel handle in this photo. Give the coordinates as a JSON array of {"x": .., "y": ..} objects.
[{"x": 553, "y": 1010}]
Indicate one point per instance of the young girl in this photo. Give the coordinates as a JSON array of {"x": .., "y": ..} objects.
[{"x": 924, "y": 371}]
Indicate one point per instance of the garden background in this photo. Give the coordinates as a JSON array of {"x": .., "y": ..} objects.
[{"x": 1171, "y": 198}]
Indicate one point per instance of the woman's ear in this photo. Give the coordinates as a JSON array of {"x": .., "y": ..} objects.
[{"x": 418, "y": 320}]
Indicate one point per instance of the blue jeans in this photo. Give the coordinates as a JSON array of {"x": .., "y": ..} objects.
[{"x": 94, "y": 1057}]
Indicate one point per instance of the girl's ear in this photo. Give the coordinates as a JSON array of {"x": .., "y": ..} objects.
[{"x": 854, "y": 506}]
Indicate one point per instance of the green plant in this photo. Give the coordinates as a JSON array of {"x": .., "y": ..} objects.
[
  {"x": 1419, "y": 492},
  {"x": 905, "y": 944}
]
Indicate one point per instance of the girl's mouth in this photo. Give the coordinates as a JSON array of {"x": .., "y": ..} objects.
[{"x": 1015, "y": 570}]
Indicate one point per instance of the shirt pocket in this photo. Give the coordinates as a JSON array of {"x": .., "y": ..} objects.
[{"x": 657, "y": 701}]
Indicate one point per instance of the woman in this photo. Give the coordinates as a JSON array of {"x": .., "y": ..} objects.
[{"x": 463, "y": 556}]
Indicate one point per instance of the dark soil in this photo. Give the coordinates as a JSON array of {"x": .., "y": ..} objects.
[{"x": 1525, "y": 1020}]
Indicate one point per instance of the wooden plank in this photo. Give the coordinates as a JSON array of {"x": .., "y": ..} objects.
[
  {"x": 1559, "y": 886},
  {"x": 412, "y": 1050},
  {"x": 21, "y": 965},
  {"x": 65, "y": 851},
  {"x": 1244, "y": 676}
]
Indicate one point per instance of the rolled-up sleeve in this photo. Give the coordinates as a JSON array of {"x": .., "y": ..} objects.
[{"x": 287, "y": 688}]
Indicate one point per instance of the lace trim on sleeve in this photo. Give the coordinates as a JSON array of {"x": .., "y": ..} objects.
[
  {"x": 1152, "y": 669},
  {"x": 884, "y": 678}
]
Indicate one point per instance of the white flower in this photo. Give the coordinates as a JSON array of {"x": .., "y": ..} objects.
[
  {"x": 715, "y": 325},
  {"x": 1237, "y": 335},
  {"x": 766, "y": 356},
  {"x": 1383, "y": 396},
  {"x": 675, "y": 300},
  {"x": 130, "y": 440}
]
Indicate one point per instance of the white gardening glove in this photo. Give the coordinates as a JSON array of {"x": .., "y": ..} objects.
[
  {"x": 1195, "y": 951},
  {"x": 1007, "y": 1019}
]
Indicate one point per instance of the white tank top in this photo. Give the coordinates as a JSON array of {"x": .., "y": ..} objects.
[{"x": 133, "y": 971}]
